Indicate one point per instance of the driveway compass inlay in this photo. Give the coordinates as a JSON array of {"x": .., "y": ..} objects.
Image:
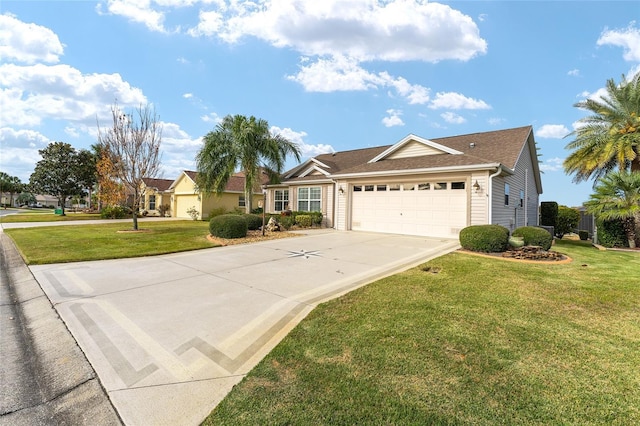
[{"x": 304, "y": 253}]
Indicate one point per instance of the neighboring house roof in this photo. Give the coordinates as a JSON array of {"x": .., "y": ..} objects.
[
  {"x": 235, "y": 183},
  {"x": 159, "y": 184},
  {"x": 486, "y": 150}
]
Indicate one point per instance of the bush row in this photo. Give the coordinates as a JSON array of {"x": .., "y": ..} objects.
[{"x": 495, "y": 238}]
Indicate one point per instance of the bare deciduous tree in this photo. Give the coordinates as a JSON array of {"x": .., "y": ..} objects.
[{"x": 133, "y": 145}]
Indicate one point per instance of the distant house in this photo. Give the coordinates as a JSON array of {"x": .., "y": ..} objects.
[
  {"x": 187, "y": 196},
  {"x": 418, "y": 186},
  {"x": 155, "y": 193}
]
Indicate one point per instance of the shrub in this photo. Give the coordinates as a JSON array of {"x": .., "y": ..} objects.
[
  {"x": 228, "y": 226},
  {"x": 611, "y": 233},
  {"x": 113, "y": 212},
  {"x": 566, "y": 221},
  {"x": 534, "y": 236},
  {"x": 316, "y": 218},
  {"x": 485, "y": 238},
  {"x": 217, "y": 212},
  {"x": 303, "y": 220},
  {"x": 191, "y": 211},
  {"x": 254, "y": 221},
  {"x": 286, "y": 222},
  {"x": 163, "y": 209},
  {"x": 584, "y": 235},
  {"x": 548, "y": 213}
]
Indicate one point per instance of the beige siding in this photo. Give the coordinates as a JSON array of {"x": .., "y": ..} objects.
[
  {"x": 414, "y": 149},
  {"x": 342, "y": 201},
  {"x": 479, "y": 200}
]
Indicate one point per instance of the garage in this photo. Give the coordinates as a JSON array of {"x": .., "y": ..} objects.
[{"x": 437, "y": 208}]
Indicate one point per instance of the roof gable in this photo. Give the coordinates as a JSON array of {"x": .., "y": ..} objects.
[{"x": 414, "y": 146}]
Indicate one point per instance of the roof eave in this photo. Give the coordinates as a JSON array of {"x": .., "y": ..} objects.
[{"x": 431, "y": 170}]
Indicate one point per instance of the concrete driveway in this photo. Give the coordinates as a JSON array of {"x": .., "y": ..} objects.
[{"x": 169, "y": 336}]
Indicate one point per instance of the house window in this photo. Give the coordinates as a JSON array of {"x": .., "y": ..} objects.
[
  {"x": 440, "y": 186},
  {"x": 242, "y": 202},
  {"x": 281, "y": 197},
  {"x": 152, "y": 202},
  {"x": 424, "y": 186},
  {"x": 521, "y": 198},
  {"x": 309, "y": 199},
  {"x": 457, "y": 185},
  {"x": 394, "y": 187},
  {"x": 506, "y": 194},
  {"x": 381, "y": 188},
  {"x": 368, "y": 188},
  {"x": 409, "y": 186},
  {"x": 357, "y": 188}
]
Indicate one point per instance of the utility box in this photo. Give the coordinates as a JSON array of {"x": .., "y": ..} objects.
[{"x": 57, "y": 211}]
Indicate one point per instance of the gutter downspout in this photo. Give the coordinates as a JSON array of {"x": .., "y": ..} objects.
[
  {"x": 336, "y": 194},
  {"x": 490, "y": 194}
]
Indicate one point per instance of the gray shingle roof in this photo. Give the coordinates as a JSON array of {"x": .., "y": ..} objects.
[{"x": 479, "y": 149}]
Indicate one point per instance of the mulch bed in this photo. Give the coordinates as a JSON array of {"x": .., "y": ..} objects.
[
  {"x": 527, "y": 254},
  {"x": 252, "y": 237}
]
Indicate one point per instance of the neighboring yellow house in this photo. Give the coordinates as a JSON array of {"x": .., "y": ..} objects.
[
  {"x": 187, "y": 197},
  {"x": 155, "y": 193}
]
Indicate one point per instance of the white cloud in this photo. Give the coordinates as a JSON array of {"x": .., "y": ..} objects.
[
  {"x": 452, "y": 100},
  {"x": 400, "y": 30},
  {"x": 306, "y": 150},
  {"x": 139, "y": 11},
  {"x": 628, "y": 39},
  {"x": 188, "y": 95},
  {"x": 552, "y": 131},
  {"x": 27, "y": 43},
  {"x": 20, "y": 151},
  {"x": 574, "y": 72},
  {"x": 393, "y": 119},
  {"x": 345, "y": 74},
  {"x": 37, "y": 92},
  {"x": 452, "y": 118},
  {"x": 72, "y": 131},
  {"x": 552, "y": 165},
  {"x": 211, "y": 118}
]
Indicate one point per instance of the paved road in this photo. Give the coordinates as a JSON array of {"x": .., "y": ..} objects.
[{"x": 170, "y": 335}]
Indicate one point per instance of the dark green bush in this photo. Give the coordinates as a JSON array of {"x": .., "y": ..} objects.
[
  {"x": 611, "y": 233},
  {"x": 303, "y": 220},
  {"x": 534, "y": 236},
  {"x": 254, "y": 221},
  {"x": 228, "y": 226},
  {"x": 286, "y": 221},
  {"x": 114, "y": 212},
  {"x": 584, "y": 235},
  {"x": 566, "y": 221},
  {"x": 548, "y": 213},
  {"x": 485, "y": 238}
]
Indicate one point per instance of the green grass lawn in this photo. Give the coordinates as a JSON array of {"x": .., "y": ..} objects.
[
  {"x": 57, "y": 244},
  {"x": 482, "y": 341},
  {"x": 45, "y": 215}
]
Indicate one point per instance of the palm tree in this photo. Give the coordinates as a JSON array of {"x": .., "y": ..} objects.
[
  {"x": 617, "y": 196},
  {"x": 608, "y": 139},
  {"x": 246, "y": 144}
]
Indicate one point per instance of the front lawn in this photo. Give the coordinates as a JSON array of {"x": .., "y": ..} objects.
[
  {"x": 46, "y": 216},
  {"x": 461, "y": 340},
  {"x": 57, "y": 244}
]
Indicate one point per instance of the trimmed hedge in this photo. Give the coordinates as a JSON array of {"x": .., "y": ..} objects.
[
  {"x": 611, "y": 233},
  {"x": 534, "y": 236},
  {"x": 228, "y": 226},
  {"x": 303, "y": 220},
  {"x": 548, "y": 213},
  {"x": 114, "y": 212},
  {"x": 254, "y": 221},
  {"x": 485, "y": 238},
  {"x": 567, "y": 221},
  {"x": 584, "y": 235}
]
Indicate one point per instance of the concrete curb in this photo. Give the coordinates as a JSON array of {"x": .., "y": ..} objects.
[{"x": 47, "y": 378}]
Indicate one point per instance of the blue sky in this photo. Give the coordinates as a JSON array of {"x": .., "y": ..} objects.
[{"x": 330, "y": 75}]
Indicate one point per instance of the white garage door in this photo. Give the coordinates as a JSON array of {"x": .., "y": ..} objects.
[{"x": 437, "y": 209}]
